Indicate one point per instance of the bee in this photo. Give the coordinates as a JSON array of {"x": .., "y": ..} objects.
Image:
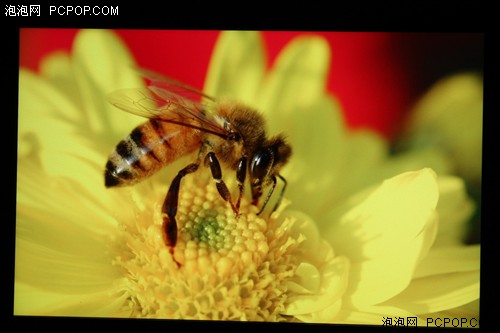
[{"x": 183, "y": 120}]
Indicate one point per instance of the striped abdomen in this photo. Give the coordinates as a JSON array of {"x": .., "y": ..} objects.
[{"x": 148, "y": 148}]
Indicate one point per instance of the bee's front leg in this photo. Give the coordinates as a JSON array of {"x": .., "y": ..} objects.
[
  {"x": 216, "y": 171},
  {"x": 241, "y": 172}
]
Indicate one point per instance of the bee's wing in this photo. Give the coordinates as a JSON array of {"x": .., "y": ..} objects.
[
  {"x": 169, "y": 101},
  {"x": 167, "y": 83}
]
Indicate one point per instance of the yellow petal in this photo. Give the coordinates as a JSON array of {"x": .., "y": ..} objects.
[
  {"x": 61, "y": 230},
  {"x": 36, "y": 302},
  {"x": 396, "y": 211},
  {"x": 357, "y": 157},
  {"x": 450, "y": 115},
  {"x": 310, "y": 278},
  {"x": 67, "y": 182},
  {"x": 454, "y": 209},
  {"x": 83, "y": 268},
  {"x": 439, "y": 292},
  {"x": 432, "y": 158},
  {"x": 385, "y": 235},
  {"x": 326, "y": 315},
  {"x": 103, "y": 64},
  {"x": 333, "y": 284},
  {"x": 48, "y": 122},
  {"x": 449, "y": 260},
  {"x": 374, "y": 281},
  {"x": 57, "y": 69},
  {"x": 308, "y": 133},
  {"x": 237, "y": 66},
  {"x": 40, "y": 100},
  {"x": 297, "y": 78},
  {"x": 313, "y": 247}
]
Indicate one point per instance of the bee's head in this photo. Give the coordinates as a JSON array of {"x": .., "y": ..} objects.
[{"x": 266, "y": 162}]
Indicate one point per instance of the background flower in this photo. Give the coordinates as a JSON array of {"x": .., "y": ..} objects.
[
  {"x": 376, "y": 76},
  {"x": 449, "y": 117}
]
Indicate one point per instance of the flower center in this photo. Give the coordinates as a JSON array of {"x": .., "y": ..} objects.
[
  {"x": 233, "y": 268},
  {"x": 207, "y": 229},
  {"x": 210, "y": 236}
]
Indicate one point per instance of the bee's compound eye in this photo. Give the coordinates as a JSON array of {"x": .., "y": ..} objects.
[{"x": 261, "y": 164}]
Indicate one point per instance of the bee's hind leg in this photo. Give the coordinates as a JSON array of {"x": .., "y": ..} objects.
[{"x": 169, "y": 208}]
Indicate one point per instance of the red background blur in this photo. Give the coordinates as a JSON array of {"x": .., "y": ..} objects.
[{"x": 375, "y": 76}]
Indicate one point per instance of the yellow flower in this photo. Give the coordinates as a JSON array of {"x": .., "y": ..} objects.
[
  {"x": 347, "y": 246},
  {"x": 449, "y": 117}
]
